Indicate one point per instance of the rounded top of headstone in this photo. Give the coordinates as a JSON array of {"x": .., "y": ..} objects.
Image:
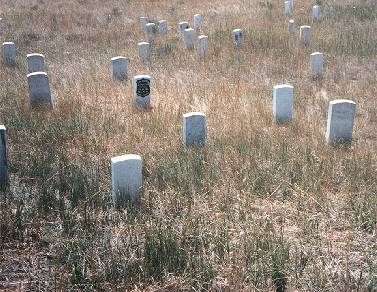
[
  {"x": 118, "y": 58},
  {"x": 202, "y": 37},
  {"x": 197, "y": 15},
  {"x": 34, "y": 55},
  {"x": 237, "y": 30},
  {"x": 339, "y": 101},
  {"x": 161, "y": 21},
  {"x": 143, "y": 17},
  {"x": 315, "y": 54},
  {"x": 125, "y": 157},
  {"x": 36, "y": 74},
  {"x": 183, "y": 22},
  {"x": 143, "y": 44},
  {"x": 305, "y": 26},
  {"x": 8, "y": 43},
  {"x": 187, "y": 115},
  {"x": 189, "y": 29},
  {"x": 150, "y": 24},
  {"x": 315, "y": 6},
  {"x": 2, "y": 127},
  {"x": 283, "y": 86},
  {"x": 291, "y": 20},
  {"x": 142, "y": 76}
]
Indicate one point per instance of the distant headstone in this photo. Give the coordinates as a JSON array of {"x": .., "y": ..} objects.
[
  {"x": 282, "y": 104},
  {"x": 143, "y": 50},
  {"x": 39, "y": 89},
  {"x": 197, "y": 21},
  {"x": 316, "y": 64},
  {"x": 291, "y": 3},
  {"x": 4, "y": 178},
  {"x": 151, "y": 31},
  {"x": 237, "y": 37},
  {"x": 163, "y": 27},
  {"x": 183, "y": 25},
  {"x": 1, "y": 25},
  {"x": 202, "y": 45},
  {"x": 194, "y": 129},
  {"x": 291, "y": 26},
  {"x": 9, "y": 53},
  {"x": 35, "y": 63},
  {"x": 143, "y": 22},
  {"x": 141, "y": 87},
  {"x": 287, "y": 8},
  {"x": 119, "y": 68},
  {"x": 315, "y": 12},
  {"x": 340, "y": 121},
  {"x": 126, "y": 178},
  {"x": 304, "y": 35},
  {"x": 189, "y": 38}
]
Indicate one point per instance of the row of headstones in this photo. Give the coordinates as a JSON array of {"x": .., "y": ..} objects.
[
  {"x": 288, "y": 9},
  {"x": 126, "y": 170}
]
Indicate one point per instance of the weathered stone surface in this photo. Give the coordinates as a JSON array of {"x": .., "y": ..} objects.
[
  {"x": 340, "y": 120},
  {"x": 315, "y": 12},
  {"x": 282, "y": 104},
  {"x": 237, "y": 37},
  {"x": 119, "y": 67},
  {"x": 35, "y": 63},
  {"x": 189, "y": 38},
  {"x": 163, "y": 27},
  {"x": 304, "y": 35},
  {"x": 143, "y": 50},
  {"x": 4, "y": 178},
  {"x": 197, "y": 21},
  {"x": 182, "y": 26},
  {"x": 194, "y": 129},
  {"x": 202, "y": 45},
  {"x": 39, "y": 89},
  {"x": 291, "y": 26},
  {"x": 126, "y": 178},
  {"x": 287, "y": 8},
  {"x": 141, "y": 90},
  {"x": 9, "y": 53},
  {"x": 143, "y": 22},
  {"x": 316, "y": 64}
]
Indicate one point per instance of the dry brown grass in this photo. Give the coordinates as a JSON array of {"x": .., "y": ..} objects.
[{"x": 260, "y": 207}]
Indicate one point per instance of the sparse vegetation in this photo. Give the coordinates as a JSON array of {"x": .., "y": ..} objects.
[{"x": 260, "y": 208}]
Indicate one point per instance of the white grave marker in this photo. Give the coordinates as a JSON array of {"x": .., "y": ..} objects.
[
  {"x": 143, "y": 22},
  {"x": 316, "y": 64},
  {"x": 151, "y": 31},
  {"x": 183, "y": 25},
  {"x": 194, "y": 129},
  {"x": 39, "y": 89},
  {"x": 197, "y": 21},
  {"x": 143, "y": 50},
  {"x": 189, "y": 38},
  {"x": 282, "y": 104},
  {"x": 9, "y": 53},
  {"x": 202, "y": 45},
  {"x": 141, "y": 87},
  {"x": 315, "y": 12},
  {"x": 126, "y": 178},
  {"x": 35, "y": 63},
  {"x": 237, "y": 37},
  {"x": 4, "y": 178},
  {"x": 340, "y": 119},
  {"x": 287, "y": 8},
  {"x": 119, "y": 68},
  {"x": 291, "y": 26},
  {"x": 304, "y": 35},
  {"x": 163, "y": 27}
]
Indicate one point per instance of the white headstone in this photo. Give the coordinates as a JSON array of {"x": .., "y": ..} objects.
[
  {"x": 182, "y": 26},
  {"x": 35, "y": 63},
  {"x": 39, "y": 89},
  {"x": 4, "y": 178},
  {"x": 9, "y": 53},
  {"x": 202, "y": 45},
  {"x": 126, "y": 178},
  {"x": 315, "y": 12},
  {"x": 141, "y": 87},
  {"x": 304, "y": 35},
  {"x": 119, "y": 67},
  {"x": 194, "y": 129},
  {"x": 237, "y": 37},
  {"x": 163, "y": 27},
  {"x": 291, "y": 3},
  {"x": 291, "y": 26},
  {"x": 287, "y": 8},
  {"x": 340, "y": 119},
  {"x": 143, "y": 22},
  {"x": 316, "y": 64},
  {"x": 282, "y": 104},
  {"x": 151, "y": 31},
  {"x": 197, "y": 21},
  {"x": 189, "y": 38},
  {"x": 143, "y": 50}
]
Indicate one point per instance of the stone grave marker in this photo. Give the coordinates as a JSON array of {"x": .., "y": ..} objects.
[
  {"x": 35, "y": 63},
  {"x": 9, "y": 53},
  {"x": 282, "y": 104},
  {"x": 39, "y": 89},
  {"x": 194, "y": 129},
  {"x": 119, "y": 67},
  {"x": 141, "y": 87}
]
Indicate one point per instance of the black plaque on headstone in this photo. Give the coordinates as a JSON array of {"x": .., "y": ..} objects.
[{"x": 143, "y": 87}]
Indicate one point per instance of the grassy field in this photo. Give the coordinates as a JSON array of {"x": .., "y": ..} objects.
[{"x": 260, "y": 208}]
